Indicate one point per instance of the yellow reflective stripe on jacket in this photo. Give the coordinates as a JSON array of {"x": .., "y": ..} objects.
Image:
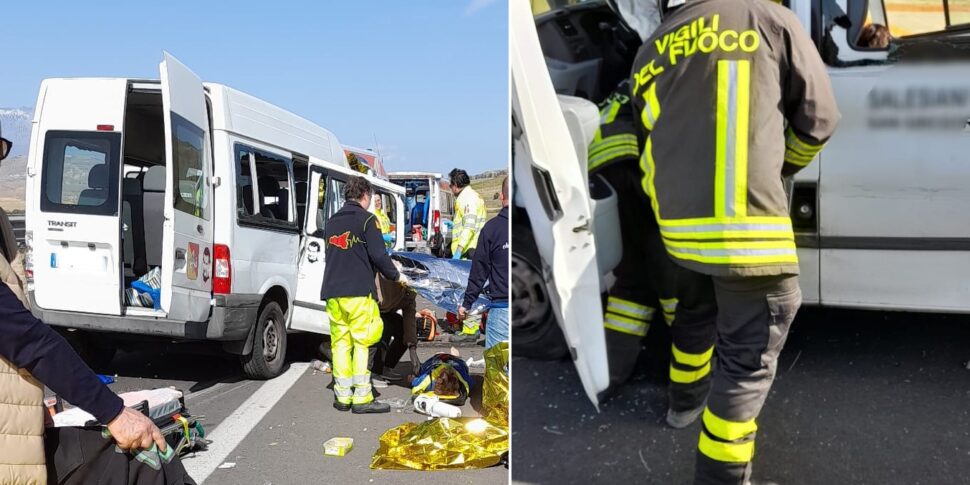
[
  {"x": 610, "y": 148},
  {"x": 727, "y": 430},
  {"x": 629, "y": 309},
  {"x": 614, "y": 141},
  {"x": 468, "y": 223},
  {"x": 725, "y": 452},
  {"x": 689, "y": 376},
  {"x": 731, "y": 140},
  {"x": 651, "y": 107},
  {"x": 626, "y": 325},
  {"x": 693, "y": 360}
]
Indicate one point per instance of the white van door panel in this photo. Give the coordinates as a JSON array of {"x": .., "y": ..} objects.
[
  {"x": 309, "y": 311},
  {"x": 187, "y": 240},
  {"x": 558, "y": 203},
  {"x": 73, "y": 196},
  {"x": 895, "y": 229}
]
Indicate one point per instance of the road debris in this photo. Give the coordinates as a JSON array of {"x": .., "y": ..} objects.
[
  {"x": 227, "y": 465},
  {"x": 338, "y": 446}
]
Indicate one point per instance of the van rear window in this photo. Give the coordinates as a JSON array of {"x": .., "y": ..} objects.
[{"x": 80, "y": 172}]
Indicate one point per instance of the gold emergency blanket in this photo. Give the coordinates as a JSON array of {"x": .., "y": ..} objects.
[
  {"x": 495, "y": 390},
  {"x": 452, "y": 444}
]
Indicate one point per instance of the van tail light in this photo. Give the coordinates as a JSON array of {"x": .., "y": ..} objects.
[
  {"x": 29, "y": 256},
  {"x": 221, "y": 270},
  {"x": 436, "y": 222}
]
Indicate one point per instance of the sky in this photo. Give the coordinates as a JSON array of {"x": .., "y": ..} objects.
[{"x": 428, "y": 79}]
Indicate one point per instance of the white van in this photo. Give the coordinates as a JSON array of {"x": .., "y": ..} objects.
[
  {"x": 225, "y": 193},
  {"x": 430, "y": 205}
]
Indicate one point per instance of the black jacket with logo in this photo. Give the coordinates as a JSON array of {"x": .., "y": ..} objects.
[
  {"x": 355, "y": 248},
  {"x": 491, "y": 262}
]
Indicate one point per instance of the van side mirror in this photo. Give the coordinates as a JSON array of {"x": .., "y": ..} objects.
[{"x": 5, "y": 146}]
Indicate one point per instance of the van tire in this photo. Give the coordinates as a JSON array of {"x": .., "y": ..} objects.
[
  {"x": 269, "y": 344},
  {"x": 534, "y": 328}
]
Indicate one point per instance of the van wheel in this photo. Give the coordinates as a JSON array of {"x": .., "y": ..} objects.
[
  {"x": 534, "y": 328},
  {"x": 269, "y": 345}
]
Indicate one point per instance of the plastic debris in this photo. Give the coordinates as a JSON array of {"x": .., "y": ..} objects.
[
  {"x": 475, "y": 364},
  {"x": 228, "y": 464},
  {"x": 105, "y": 379},
  {"x": 321, "y": 366},
  {"x": 338, "y": 446},
  {"x": 431, "y": 406},
  {"x": 396, "y": 403}
]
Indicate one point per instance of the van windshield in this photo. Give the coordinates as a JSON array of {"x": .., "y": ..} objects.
[{"x": 80, "y": 172}]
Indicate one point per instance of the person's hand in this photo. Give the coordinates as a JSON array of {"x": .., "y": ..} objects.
[
  {"x": 403, "y": 280},
  {"x": 462, "y": 313},
  {"x": 456, "y": 254},
  {"x": 131, "y": 430}
]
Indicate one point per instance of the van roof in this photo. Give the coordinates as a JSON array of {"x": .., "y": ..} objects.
[
  {"x": 404, "y": 175},
  {"x": 241, "y": 113},
  {"x": 246, "y": 115}
]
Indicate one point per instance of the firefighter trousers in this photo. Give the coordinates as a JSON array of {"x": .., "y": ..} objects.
[
  {"x": 645, "y": 277},
  {"x": 753, "y": 316},
  {"x": 355, "y": 326}
]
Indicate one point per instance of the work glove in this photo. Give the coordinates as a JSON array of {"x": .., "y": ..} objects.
[
  {"x": 457, "y": 254},
  {"x": 403, "y": 280}
]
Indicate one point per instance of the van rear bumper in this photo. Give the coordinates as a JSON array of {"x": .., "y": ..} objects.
[{"x": 231, "y": 319}]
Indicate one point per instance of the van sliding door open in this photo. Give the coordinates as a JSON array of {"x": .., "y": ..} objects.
[{"x": 187, "y": 233}]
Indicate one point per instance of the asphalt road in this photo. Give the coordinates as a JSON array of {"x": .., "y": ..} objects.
[
  {"x": 285, "y": 446},
  {"x": 860, "y": 397}
]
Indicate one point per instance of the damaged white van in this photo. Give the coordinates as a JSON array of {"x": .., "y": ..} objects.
[{"x": 221, "y": 198}]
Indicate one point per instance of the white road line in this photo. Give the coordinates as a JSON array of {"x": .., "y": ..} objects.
[{"x": 232, "y": 430}]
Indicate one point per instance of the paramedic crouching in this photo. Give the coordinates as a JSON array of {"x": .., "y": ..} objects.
[
  {"x": 355, "y": 248},
  {"x": 33, "y": 355},
  {"x": 491, "y": 263}
]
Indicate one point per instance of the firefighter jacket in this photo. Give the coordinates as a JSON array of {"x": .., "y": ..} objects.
[
  {"x": 355, "y": 248},
  {"x": 469, "y": 219},
  {"x": 732, "y": 96},
  {"x": 616, "y": 139}
]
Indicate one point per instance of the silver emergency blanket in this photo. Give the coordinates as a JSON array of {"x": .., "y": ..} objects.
[{"x": 440, "y": 281}]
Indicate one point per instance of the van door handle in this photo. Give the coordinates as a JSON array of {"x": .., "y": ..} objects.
[
  {"x": 200, "y": 229},
  {"x": 180, "y": 254}
]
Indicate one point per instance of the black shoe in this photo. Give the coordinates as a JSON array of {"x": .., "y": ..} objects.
[
  {"x": 390, "y": 376},
  {"x": 372, "y": 407},
  {"x": 339, "y": 406}
]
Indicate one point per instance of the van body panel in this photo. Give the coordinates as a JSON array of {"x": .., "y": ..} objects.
[
  {"x": 187, "y": 241},
  {"x": 242, "y": 114},
  {"x": 893, "y": 193},
  {"x": 76, "y": 244},
  {"x": 309, "y": 311}
]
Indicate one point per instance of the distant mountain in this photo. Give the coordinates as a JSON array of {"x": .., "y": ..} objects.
[
  {"x": 13, "y": 180},
  {"x": 15, "y": 126}
]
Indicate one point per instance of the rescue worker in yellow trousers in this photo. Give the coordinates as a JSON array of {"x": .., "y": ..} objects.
[
  {"x": 355, "y": 249},
  {"x": 731, "y": 96},
  {"x": 468, "y": 222},
  {"x": 646, "y": 275}
]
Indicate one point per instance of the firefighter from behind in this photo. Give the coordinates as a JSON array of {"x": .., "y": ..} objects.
[
  {"x": 355, "y": 252},
  {"x": 731, "y": 96}
]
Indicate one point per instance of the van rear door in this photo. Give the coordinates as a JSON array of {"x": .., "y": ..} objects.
[
  {"x": 325, "y": 196},
  {"x": 73, "y": 191},
  {"x": 187, "y": 233}
]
